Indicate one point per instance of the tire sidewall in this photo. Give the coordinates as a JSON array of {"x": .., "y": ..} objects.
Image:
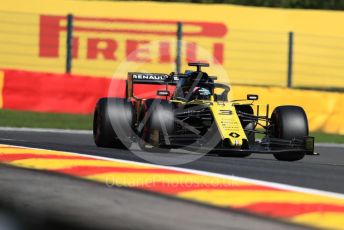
[
  {"x": 113, "y": 122},
  {"x": 289, "y": 122}
]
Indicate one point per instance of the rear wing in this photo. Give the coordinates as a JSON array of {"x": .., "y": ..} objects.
[{"x": 149, "y": 79}]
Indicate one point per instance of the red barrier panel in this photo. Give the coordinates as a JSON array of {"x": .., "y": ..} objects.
[
  {"x": 63, "y": 93},
  {"x": 45, "y": 92}
]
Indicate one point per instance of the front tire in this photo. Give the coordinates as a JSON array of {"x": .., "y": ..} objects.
[
  {"x": 289, "y": 122},
  {"x": 113, "y": 114}
]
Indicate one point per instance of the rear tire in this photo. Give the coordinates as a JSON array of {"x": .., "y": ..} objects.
[
  {"x": 111, "y": 114},
  {"x": 289, "y": 122},
  {"x": 158, "y": 126}
]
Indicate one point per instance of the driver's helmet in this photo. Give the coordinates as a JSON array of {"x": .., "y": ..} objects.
[
  {"x": 184, "y": 85},
  {"x": 201, "y": 93},
  {"x": 186, "y": 90}
]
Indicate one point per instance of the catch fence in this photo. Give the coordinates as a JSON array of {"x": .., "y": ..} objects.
[{"x": 102, "y": 46}]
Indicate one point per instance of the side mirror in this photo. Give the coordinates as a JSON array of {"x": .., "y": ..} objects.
[
  {"x": 252, "y": 97},
  {"x": 163, "y": 93}
]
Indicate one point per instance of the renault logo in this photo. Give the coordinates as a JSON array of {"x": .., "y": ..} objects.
[{"x": 235, "y": 135}]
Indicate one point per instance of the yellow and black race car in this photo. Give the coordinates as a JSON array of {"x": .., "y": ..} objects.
[{"x": 192, "y": 111}]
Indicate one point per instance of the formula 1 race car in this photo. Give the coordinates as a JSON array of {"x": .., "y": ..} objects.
[{"x": 191, "y": 111}]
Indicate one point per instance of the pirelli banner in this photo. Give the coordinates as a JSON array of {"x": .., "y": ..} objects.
[
  {"x": 105, "y": 43},
  {"x": 244, "y": 45}
]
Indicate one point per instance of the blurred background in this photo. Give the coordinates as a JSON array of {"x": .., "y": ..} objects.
[{"x": 58, "y": 57}]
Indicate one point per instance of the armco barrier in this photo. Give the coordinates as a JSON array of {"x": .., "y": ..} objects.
[{"x": 46, "y": 92}]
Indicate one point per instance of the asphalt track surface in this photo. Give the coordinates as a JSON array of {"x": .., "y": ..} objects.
[
  {"x": 119, "y": 208},
  {"x": 49, "y": 201},
  {"x": 324, "y": 172}
]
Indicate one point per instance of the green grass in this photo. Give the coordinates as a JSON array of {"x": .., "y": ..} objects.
[
  {"x": 11, "y": 118},
  {"x": 328, "y": 138}
]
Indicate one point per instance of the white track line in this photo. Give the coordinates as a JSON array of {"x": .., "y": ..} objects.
[
  {"x": 329, "y": 145},
  {"x": 205, "y": 173},
  {"x": 44, "y": 130}
]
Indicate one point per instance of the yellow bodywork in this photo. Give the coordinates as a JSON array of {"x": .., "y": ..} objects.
[
  {"x": 228, "y": 123},
  {"x": 226, "y": 119}
]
